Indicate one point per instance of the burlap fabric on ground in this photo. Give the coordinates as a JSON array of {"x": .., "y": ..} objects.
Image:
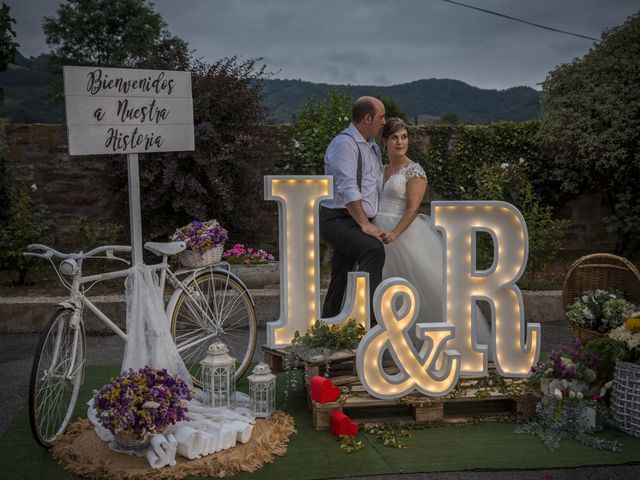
[{"x": 81, "y": 452}]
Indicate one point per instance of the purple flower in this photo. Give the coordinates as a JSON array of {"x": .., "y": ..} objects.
[{"x": 120, "y": 405}]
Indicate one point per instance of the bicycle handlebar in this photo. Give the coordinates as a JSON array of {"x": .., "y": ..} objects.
[{"x": 51, "y": 252}]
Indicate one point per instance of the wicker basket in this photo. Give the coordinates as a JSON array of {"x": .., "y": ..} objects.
[
  {"x": 599, "y": 271},
  {"x": 195, "y": 259},
  {"x": 625, "y": 399},
  {"x": 130, "y": 444},
  {"x": 585, "y": 335}
]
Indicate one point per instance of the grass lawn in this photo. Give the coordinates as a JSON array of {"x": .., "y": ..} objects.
[{"x": 313, "y": 455}]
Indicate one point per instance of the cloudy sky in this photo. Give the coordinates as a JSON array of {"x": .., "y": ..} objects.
[{"x": 376, "y": 42}]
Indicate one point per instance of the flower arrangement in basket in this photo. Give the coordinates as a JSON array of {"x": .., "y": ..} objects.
[
  {"x": 625, "y": 402},
  {"x": 629, "y": 335},
  {"x": 239, "y": 255},
  {"x": 205, "y": 243},
  {"x": 596, "y": 312},
  {"x": 139, "y": 404}
]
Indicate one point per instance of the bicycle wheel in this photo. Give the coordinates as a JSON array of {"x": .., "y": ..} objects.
[
  {"x": 56, "y": 377},
  {"x": 217, "y": 308}
]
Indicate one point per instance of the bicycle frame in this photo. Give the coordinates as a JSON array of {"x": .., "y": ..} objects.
[{"x": 77, "y": 300}]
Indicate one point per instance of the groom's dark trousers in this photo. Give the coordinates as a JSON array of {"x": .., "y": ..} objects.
[{"x": 350, "y": 246}]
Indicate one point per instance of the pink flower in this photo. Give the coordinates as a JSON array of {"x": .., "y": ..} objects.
[{"x": 247, "y": 261}]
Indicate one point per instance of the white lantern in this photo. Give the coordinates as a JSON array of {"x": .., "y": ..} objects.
[
  {"x": 262, "y": 391},
  {"x": 218, "y": 377}
]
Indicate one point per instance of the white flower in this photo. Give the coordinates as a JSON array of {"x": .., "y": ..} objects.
[
  {"x": 579, "y": 396},
  {"x": 585, "y": 299},
  {"x": 557, "y": 393},
  {"x": 34, "y": 187},
  {"x": 567, "y": 361},
  {"x": 521, "y": 161},
  {"x": 462, "y": 190},
  {"x": 150, "y": 404},
  {"x": 572, "y": 394},
  {"x": 548, "y": 371},
  {"x": 635, "y": 314},
  {"x": 345, "y": 118},
  {"x": 296, "y": 143},
  {"x": 504, "y": 165},
  {"x": 564, "y": 383}
]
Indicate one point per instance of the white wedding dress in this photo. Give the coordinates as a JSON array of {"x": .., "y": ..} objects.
[{"x": 416, "y": 255}]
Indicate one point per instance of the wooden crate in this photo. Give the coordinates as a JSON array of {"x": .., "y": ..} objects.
[{"x": 274, "y": 358}]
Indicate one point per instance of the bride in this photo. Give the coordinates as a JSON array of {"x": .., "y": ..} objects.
[{"x": 413, "y": 248}]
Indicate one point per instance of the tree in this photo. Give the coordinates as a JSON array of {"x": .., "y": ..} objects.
[
  {"x": 8, "y": 47},
  {"x": 218, "y": 179},
  {"x": 391, "y": 107},
  {"x": 111, "y": 33},
  {"x": 591, "y": 128},
  {"x": 313, "y": 130}
]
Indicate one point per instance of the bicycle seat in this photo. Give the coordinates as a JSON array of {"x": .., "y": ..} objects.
[{"x": 169, "y": 248}]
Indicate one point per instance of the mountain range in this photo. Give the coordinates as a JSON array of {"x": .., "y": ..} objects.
[{"x": 28, "y": 99}]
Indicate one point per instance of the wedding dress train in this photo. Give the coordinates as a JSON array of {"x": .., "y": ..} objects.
[{"x": 417, "y": 254}]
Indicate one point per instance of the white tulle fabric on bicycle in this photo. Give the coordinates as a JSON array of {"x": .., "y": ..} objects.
[{"x": 149, "y": 340}]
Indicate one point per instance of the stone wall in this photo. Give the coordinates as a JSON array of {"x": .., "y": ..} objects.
[{"x": 74, "y": 187}]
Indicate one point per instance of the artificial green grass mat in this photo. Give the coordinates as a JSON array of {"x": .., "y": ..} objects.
[{"x": 313, "y": 455}]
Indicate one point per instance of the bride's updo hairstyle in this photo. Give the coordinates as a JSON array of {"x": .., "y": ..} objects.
[{"x": 393, "y": 125}]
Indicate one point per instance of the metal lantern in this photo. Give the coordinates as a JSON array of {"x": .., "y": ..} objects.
[
  {"x": 218, "y": 377},
  {"x": 262, "y": 391}
]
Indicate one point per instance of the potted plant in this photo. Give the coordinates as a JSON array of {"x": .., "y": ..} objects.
[
  {"x": 256, "y": 268},
  {"x": 137, "y": 405},
  {"x": 563, "y": 366},
  {"x": 204, "y": 240}
]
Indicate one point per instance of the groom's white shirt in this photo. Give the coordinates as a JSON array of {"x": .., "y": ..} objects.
[{"x": 341, "y": 161}]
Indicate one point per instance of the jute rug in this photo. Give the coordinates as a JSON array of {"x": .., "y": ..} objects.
[{"x": 81, "y": 452}]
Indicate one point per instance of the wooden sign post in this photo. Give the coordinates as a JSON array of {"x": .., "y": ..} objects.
[{"x": 125, "y": 111}]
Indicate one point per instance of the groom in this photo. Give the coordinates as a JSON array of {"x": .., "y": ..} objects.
[{"x": 353, "y": 158}]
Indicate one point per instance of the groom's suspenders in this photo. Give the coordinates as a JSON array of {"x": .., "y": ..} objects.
[{"x": 359, "y": 170}]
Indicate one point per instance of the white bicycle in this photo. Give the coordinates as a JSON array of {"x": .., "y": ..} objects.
[{"x": 208, "y": 304}]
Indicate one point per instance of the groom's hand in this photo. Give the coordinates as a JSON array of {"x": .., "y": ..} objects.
[{"x": 373, "y": 230}]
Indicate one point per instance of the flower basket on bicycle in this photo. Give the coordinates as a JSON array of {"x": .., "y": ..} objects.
[
  {"x": 197, "y": 259},
  {"x": 205, "y": 243}
]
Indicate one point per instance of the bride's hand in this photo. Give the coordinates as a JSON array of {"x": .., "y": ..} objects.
[{"x": 388, "y": 237}]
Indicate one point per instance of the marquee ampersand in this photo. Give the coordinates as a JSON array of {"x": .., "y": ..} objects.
[{"x": 432, "y": 371}]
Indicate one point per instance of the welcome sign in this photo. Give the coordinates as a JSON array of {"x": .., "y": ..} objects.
[{"x": 118, "y": 110}]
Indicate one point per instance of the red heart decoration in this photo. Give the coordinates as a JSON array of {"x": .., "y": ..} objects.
[
  {"x": 342, "y": 425},
  {"x": 323, "y": 390}
]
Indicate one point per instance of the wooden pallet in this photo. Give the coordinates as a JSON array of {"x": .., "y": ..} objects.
[
  {"x": 414, "y": 408},
  {"x": 420, "y": 410}
]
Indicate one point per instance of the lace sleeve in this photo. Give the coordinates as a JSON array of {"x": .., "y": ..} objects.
[{"x": 414, "y": 170}]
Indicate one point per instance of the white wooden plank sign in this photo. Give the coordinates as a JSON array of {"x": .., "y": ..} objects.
[{"x": 119, "y": 110}]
